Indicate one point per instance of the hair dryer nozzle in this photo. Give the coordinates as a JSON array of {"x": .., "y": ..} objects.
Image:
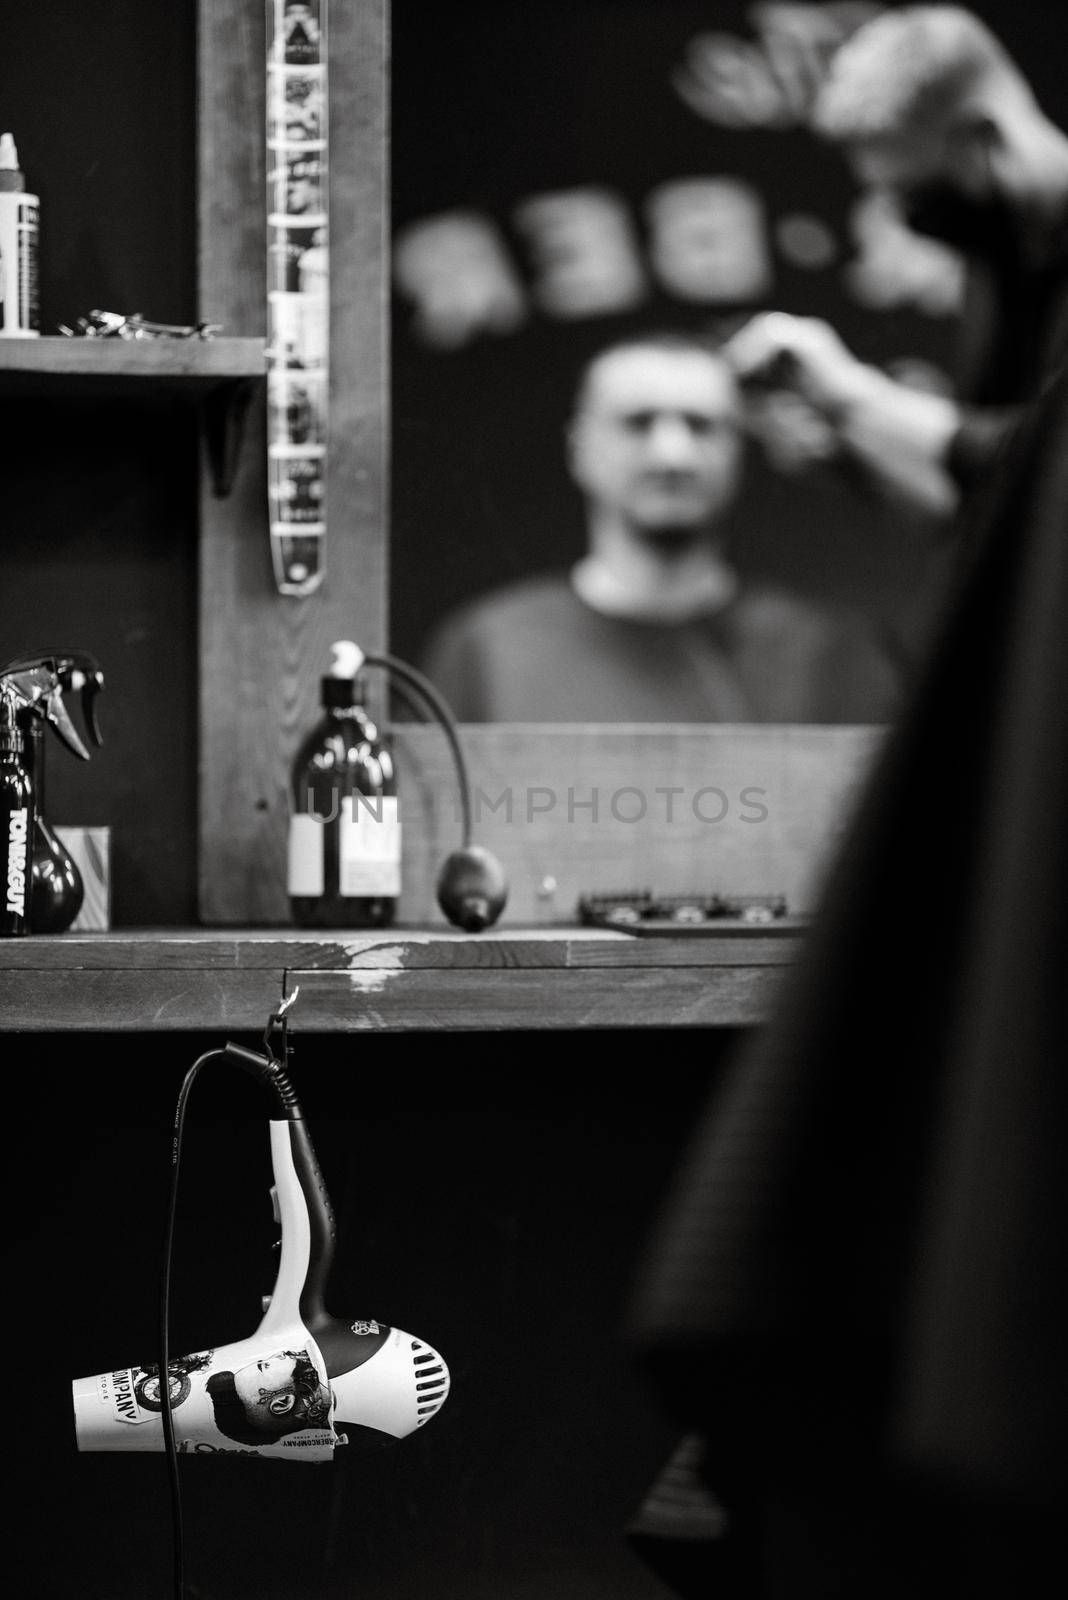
[{"x": 396, "y": 1390}]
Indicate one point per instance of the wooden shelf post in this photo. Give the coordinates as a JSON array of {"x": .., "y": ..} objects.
[{"x": 260, "y": 654}]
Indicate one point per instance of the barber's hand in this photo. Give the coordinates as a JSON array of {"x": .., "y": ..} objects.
[
  {"x": 794, "y": 434},
  {"x": 900, "y": 434},
  {"x": 804, "y": 354}
]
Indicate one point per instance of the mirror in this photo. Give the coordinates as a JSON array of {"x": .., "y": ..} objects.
[{"x": 566, "y": 174}]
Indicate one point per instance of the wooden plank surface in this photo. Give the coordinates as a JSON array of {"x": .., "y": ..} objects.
[
  {"x": 388, "y": 999},
  {"x": 482, "y": 1000},
  {"x": 262, "y": 654},
  {"x": 137, "y": 1001},
  {"x": 400, "y": 948},
  {"x": 406, "y": 980},
  {"x": 154, "y": 360}
]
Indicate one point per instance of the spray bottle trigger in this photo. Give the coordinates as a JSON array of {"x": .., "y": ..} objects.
[
  {"x": 91, "y": 687},
  {"x": 57, "y": 714}
]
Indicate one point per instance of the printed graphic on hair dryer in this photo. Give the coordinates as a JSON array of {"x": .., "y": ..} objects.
[
  {"x": 267, "y": 1398},
  {"x": 297, "y": 1386},
  {"x": 245, "y": 1396}
]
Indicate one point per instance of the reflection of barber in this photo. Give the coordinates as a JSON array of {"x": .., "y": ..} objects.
[
  {"x": 931, "y": 111},
  {"x": 654, "y": 624},
  {"x": 263, "y": 1400}
]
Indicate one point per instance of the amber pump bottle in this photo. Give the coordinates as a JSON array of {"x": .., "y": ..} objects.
[{"x": 343, "y": 866}]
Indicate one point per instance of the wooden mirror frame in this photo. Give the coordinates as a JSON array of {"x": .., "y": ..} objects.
[{"x": 261, "y": 654}]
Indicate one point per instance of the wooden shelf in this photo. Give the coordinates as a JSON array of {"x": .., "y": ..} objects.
[
  {"x": 398, "y": 980},
  {"x": 56, "y": 365},
  {"x": 219, "y": 373}
]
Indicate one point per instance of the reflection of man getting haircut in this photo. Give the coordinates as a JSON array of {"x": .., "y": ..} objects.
[
  {"x": 653, "y": 623},
  {"x": 929, "y": 109},
  {"x": 263, "y": 1400}
]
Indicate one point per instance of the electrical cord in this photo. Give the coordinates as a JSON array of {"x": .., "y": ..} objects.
[
  {"x": 426, "y": 691},
  {"x": 164, "y": 1323},
  {"x": 271, "y": 1070},
  {"x": 471, "y": 888}
]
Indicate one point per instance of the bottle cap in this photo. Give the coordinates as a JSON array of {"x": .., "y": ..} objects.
[
  {"x": 11, "y": 179},
  {"x": 342, "y": 685},
  {"x": 347, "y": 658}
]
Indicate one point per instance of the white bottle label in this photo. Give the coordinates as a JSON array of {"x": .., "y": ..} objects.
[
  {"x": 369, "y": 845},
  {"x": 304, "y": 865},
  {"x": 18, "y": 256},
  {"x": 17, "y": 860}
]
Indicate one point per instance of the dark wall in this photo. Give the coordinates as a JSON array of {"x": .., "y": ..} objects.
[
  {"x": 489, "y": 1200},
  {"x": 99, "y": 501},
  {"x": 506, "y": 103}
]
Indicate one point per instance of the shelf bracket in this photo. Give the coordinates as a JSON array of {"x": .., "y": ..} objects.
[{"x": 225, "y": 409}]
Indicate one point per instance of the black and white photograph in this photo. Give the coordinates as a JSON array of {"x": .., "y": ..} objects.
[{"x": 534, "y": 772}]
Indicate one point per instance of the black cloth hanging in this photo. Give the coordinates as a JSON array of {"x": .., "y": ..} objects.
[{"x": 852, "y": 1302}]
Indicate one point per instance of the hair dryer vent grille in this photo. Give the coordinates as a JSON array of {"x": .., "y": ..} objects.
[{"x": 431, "y": 1380}]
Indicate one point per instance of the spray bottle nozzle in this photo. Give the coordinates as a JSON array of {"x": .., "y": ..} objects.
[
  {"x": 10, "y": 732},
  {"x": 38, "y": 683}
]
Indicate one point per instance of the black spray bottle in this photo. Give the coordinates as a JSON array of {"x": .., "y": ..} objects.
[
  {"x": 344, "y": 849},
  {"x": 58, "y": 889},
  {"x": 16, "y": 820},
  {"x": 36, "y": 685}
]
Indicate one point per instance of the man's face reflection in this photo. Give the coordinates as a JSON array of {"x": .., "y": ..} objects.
[{"x": 657, "y": 440}]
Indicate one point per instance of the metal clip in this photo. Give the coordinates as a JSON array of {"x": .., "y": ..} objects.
[{"x": 277, "y": 1029}]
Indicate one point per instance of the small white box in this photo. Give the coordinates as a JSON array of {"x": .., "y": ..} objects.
[{"x": 91, "y": 850}]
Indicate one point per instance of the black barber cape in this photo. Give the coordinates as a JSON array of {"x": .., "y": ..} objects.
[{"x": 852, "y": 1302}]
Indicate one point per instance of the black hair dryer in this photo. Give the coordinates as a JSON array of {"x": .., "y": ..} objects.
[{"x": 37, "y": 684}]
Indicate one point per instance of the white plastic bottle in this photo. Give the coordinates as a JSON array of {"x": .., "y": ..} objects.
[{"x": 19, "y": 222}]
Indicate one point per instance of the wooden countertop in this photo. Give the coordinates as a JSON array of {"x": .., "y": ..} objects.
[{"x": 401, "y": 979}]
